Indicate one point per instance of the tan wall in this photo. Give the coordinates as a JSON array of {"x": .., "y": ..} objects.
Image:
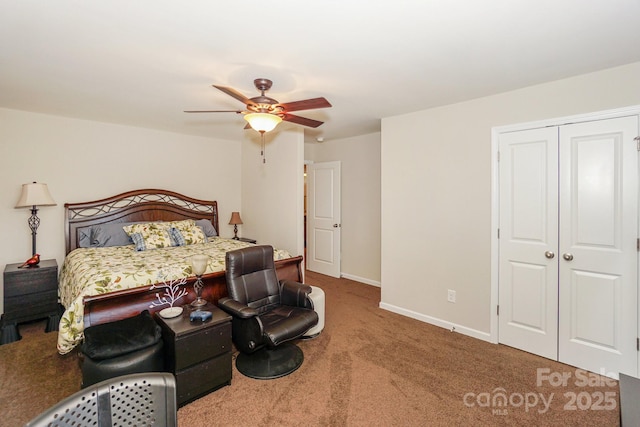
[
  {"x": 436, "y": 192},
  {"x": 360, "y": 173},
  {"x": 272, "y": 192},
  {"x": 82, "y": 160}
]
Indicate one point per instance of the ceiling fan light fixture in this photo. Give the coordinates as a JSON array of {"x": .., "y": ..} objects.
[{"x": 263, "y": 122}]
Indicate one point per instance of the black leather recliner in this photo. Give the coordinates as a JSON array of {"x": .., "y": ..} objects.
[{"x": 267, "y": 313}]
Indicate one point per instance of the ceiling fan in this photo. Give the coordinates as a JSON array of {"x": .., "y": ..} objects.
[{"x": 264, "y": 113}]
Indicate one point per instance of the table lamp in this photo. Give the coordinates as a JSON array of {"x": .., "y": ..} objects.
[
  {"x": 235, "y": 220},
  {"x": 34, "y": 195},
  {"x": 199, "y": 266}
]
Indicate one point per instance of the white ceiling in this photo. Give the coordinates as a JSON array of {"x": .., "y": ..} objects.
[{"x": 142, "y": 62}]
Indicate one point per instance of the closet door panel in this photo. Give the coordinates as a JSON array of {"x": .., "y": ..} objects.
[
  {"x": 528, "y": 241},
  {"x": 598, "y": 255}
]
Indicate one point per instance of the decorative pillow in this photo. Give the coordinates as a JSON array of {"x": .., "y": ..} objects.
[
  {"x": 113, "y": 339},
  {"x": 177, "y": 237},
  {"x": 183, "y": 225},
  {"x": 143, "y": 227},
  {"x": 207, "y": 227},
  {"x": 150, "y": 235},
  {"x": 191, "y": 236}
]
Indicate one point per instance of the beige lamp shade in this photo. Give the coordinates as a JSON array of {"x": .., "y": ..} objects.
[
  {"x": 263, "y": 122},
  {"x": 235, "y": 218},
  {"x": 35, "y": 194},
  {"x": 199, "y": 264}
]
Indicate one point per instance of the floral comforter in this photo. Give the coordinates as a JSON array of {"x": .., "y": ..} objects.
[{"x": 94, "y": 271}]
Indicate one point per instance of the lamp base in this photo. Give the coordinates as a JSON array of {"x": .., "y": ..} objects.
[{"x": 198, "y": 302}]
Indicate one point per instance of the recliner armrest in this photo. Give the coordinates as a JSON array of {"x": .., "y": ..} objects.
[
  {"x": 295, "y": 294},
  {"x": 237, "y": 309}
]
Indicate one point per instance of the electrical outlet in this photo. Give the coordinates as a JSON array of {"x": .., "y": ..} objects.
[{"x": 451, "y": 295}]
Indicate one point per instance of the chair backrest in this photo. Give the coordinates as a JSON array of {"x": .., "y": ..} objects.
[
  {"x": 138, "y": 399},
  {"x": 251, "y": 277}
]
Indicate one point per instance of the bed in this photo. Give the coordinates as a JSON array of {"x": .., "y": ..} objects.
[{"x": 97, "y": 283}]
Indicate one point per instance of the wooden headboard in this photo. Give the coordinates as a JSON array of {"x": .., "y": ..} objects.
[{"x": 137, "y": 205}]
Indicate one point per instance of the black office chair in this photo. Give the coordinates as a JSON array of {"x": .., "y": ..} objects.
[
  {"x": 267, "y": 314},
  {"x": 133, "y": 400}
]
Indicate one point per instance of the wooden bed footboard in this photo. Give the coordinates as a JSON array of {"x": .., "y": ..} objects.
[{"x": 129, "y": 302}]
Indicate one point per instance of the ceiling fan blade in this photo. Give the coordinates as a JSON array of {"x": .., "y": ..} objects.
[
  {"x": 304, "y": 121},
  {"x": 307, "y": 104},
  {"x": 213, "y": 111},
  {"x": 232, "y": 92}
]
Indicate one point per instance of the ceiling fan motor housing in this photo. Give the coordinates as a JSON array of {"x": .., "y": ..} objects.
[
  {"x": 263, "y": 85},
  {"x": 262, "y": 103}
]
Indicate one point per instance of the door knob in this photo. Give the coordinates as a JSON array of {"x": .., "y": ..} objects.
[
  {"x": 549, "y": 254},
  {"x": 567, "y": 256},
  {"x": 335, "y": 226}
]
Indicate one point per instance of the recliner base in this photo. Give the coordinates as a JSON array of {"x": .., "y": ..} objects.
[{"x": 270, "y": 363}]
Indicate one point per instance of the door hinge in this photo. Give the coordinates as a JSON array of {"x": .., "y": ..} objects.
[
  {"x": 498, "y": 310},
  {"x": 637, "y": 140},
  {"x": 498, "y": 233},
  {"x": 498, "y": 154},
  {"x": 637, "y": 344},
  {"x": 638, "y": 245}
]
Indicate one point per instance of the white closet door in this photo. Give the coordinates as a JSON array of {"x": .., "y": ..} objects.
[
  {"x": 598, "y": 235},
  {"x": 528, "y": 294},
  {"x": 568, "y": 284}
]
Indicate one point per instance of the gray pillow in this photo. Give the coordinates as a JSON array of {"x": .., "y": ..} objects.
[
  {"x": 207, "y": 227},
  {"x": 84, "y": 237},
  {"x": 105, "y": 235}
]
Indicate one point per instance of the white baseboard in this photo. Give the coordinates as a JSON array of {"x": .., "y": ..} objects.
[
  {"x": 484, "y": 336},
  {"x": 361, "y": 279}
]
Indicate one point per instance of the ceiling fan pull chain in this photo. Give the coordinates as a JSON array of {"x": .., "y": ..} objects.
[{"x": 262, "y": 147}]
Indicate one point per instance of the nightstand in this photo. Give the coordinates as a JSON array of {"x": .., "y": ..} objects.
[
  {"x": 198, "y": 353},
  {"x": 246, "y": 239},
  {"x": 29, "y": 294}
]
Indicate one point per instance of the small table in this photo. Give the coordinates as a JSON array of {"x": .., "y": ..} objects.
[
  {"x": 198, "y": 353},
  {"x": 29, "y": 294},
  {"x": 247, "y": 240}
]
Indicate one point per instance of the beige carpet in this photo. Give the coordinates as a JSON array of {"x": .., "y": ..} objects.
[{"x": 369, "y": 367}]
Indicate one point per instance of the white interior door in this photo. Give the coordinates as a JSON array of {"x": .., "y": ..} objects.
[
  {"x": 323, "y": 218},
  {"x": 598, "y": 237},
  {"x": 528, "y": 294},
  {"x": 568, "y": 243}
]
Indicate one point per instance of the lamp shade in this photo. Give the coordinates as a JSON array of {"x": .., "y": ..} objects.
[
  {"x": 263, "y": 122},
  {"x": 35, "y": 194},
  {"x": 235, "y": 218},
  {"x": 199, "y": 264}
]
